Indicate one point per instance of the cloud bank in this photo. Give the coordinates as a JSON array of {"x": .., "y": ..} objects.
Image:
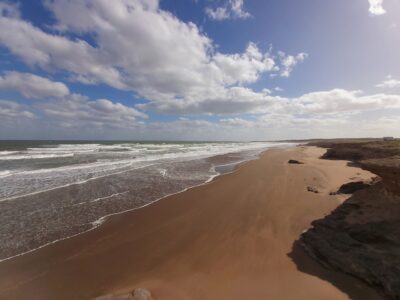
[{"x": 268, "y": 114}]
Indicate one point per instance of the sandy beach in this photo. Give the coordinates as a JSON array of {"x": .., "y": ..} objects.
[{"x": 229, "y": 239}]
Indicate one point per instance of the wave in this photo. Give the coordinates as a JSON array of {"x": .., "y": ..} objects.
[
  {"x": 95, "y": 224},
  {"x": 5, "y": 173},
  {"x": 33, "y": 156},
  {"x": 36, "y": 178},
  {"x": 7, "y": 152}
]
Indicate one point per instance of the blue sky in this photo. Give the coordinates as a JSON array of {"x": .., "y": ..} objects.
[{"x": 199, "y": 70}]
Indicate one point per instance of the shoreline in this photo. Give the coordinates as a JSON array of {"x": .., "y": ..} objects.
[
  {"x": 59, "y": 253},
  {"x": 99, "y": 222}
]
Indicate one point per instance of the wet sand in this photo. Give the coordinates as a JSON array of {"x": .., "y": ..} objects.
[{"x": 230, "y": 239}]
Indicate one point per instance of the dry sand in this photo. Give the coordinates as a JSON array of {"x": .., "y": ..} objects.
[{"x": 229, "y": 239}]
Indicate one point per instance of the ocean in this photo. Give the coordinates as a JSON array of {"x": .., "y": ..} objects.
[{"x": 51, "y": 190}]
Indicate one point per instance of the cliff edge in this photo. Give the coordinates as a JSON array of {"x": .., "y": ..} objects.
[{"x": 362, "y": 236}]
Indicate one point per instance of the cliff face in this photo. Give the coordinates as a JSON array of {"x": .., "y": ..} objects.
[
  {"x": 362, "y": 236},
  {"x": 357, "y": 151},
  {"x": 388, "y": 169}
]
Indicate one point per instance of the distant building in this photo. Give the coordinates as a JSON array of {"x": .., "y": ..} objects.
[{"x": 388, "y": 138}]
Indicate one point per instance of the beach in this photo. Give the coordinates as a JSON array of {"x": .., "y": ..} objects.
[{"x": 231, "y": 238}]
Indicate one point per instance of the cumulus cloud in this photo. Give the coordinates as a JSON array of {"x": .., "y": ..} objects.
[
  {"x": 238, "y": 100},
  {"x": 47, "y": 51},
  {"x": 376, "y": 7},
  {"x": 77, "y": 111},
  {"x": 278, "y": 126},
  {"x": 233, "y": 100},
  {"x": 74, "y": 116},
  {"x": 10, "y": 110},
  {"x": 389, "y": 83},
  {"x": 339, "y": 101},
  {"x": 324, "y": 113},
  {"x": 170, "y": 63},
  {"x": 32, "y": 86},
  {"x": 380, "y": 126},
  {"x": 161, "y": 60},
  {"x": 289, "y": 62},
  {"x": 16, "y": 120},
  {"x": 62, "y": 108},
  {"x": 219, "y": 13},
  {"x": 246, "y": 67},
  {"x": 232, "y": 9}
]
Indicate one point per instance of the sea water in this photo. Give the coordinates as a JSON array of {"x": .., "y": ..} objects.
[{"x": 51, "y": 190}]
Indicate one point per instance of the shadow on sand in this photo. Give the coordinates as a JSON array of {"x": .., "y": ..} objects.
[{"x": 353, "y": 287}]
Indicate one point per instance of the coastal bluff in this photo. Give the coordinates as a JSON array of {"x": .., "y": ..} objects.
[{"x": 362, "y": 236}]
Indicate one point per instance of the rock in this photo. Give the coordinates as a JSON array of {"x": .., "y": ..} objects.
[
  {"x": 137, "y": 294},
  {"x": 361, "y": 238},
  {"x": 351, "y": 187},
  {"x": 312, "y": 189},
  {"x": 115, "y": 297},
  {"x": 388, "y": 171},
  {"x": 296, "y": 162},
  {"x": 141, "y": 294}
]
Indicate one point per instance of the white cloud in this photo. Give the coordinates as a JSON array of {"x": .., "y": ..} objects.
[
  {"x": 37, "y": 48},
  {"x": 389, "y": 83},
  {"x": 219, "y": 13},
  {"x": 10, "y": 111},
  {"x": 175, "y": 67},
  {"x": 73, "y": 117},
  {"x": 246, "y": 67},
  {"x": 77, "y": 111},
  {"x": 339, "y": 101},
  {"x": 266, "y": 91},
  {"x": 74, "y": 111},
  {"x": 289, "y": 62},
  {"x": 233, "y": 100},
  {"x": 167, "y": 59},
  {"x": 319, "y": 114},
  {"x": 232, "y": 9},
  {"x": 63, "y": 109},
  {"x": 277, "y": 126},
  {"x": 238, "y": 10},
  {"x": 170, "y": 63},
  {"x": 239, "y": 100},
  {"x": 32, "y": 86},
  {"x": 376, "y": 7},
  {"x": 381, "y": 126}
]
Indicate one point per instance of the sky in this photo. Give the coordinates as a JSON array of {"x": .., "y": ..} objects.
[{"x": 199, "y": 69}]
